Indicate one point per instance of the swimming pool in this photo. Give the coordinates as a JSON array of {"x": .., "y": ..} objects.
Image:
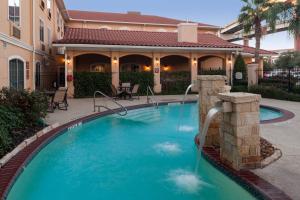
[{"x": 144, "y": 155}]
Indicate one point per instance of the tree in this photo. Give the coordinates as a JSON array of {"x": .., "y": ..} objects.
[
  {"x": 288, "y": 60},
  {"x": 253, "y": 13}
]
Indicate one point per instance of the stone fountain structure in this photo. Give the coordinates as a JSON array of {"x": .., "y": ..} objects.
[{"x": 236, "y": 129}]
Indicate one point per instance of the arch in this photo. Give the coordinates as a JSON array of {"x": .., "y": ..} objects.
[
  {"x": 148, "y": 55},
  {"x": 175, "y": 63},
  {"x": 174, "y": 54},
  {"x": 91, "y": 52},
  {"x": 161, "y": 30},
  {"x": 17, "y": 72},
  {"x": 135, "y": 63},
  {"x": 91, "y": 62},
  {"x": 211, "y": 63}
]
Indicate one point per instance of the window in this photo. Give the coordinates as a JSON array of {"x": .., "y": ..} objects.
[
  {"x": 14, "y": 11},
  {"x": 98, "y": 67},
  {"x": 38, "y": 75},
  {"x": 49, "y": 8},
  {"x": 16, "y": 74},
  {"x": 41, "y": 31}
]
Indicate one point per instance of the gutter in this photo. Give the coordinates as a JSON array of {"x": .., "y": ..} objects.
[{"x": 125, "y": 47}]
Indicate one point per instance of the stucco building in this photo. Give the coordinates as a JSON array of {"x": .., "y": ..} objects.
[{"x": 43, "y": 44}]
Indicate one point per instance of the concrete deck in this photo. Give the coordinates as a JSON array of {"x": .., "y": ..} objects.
[{"x": 284, "y": 173}]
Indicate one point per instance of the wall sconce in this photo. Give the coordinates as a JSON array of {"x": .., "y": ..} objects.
[
  {"x": 229, "y": 61},
  {"x": 157, "y": 61},
  {"x": 115, "y": 60},
  {"x": 253, "y": 60},
  {"x": 195, "y": 60},
  {"x": 68, "y": 60}
]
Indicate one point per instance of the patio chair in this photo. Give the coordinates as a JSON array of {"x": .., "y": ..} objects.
[
  {"x": 126, "y": 86},
  {"x": 60, "y": 99},
  {"x": 115, "y": 92},
  {"x": 135, "y": 91}
]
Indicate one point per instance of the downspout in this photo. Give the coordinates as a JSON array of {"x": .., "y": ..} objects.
[{"x": 33, "y": 44}]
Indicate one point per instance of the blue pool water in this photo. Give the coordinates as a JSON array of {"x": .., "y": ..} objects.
[
  {"x": 141, "y": 156},
  {"x": 268, "y": 114}
]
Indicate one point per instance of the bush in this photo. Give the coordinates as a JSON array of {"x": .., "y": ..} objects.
[
  {"x": 20, "y": 116},
  {"x": 175, "y": 82},
  {"x": 144, "y": 79},
  {"x": 86, "y": 83},
  {"x": 239, "y": 88},
  {"x": 273, "y": 93}
]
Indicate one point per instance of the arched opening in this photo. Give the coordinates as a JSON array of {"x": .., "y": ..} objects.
[
  {"x": 92, "y": 63},
  {"x": 135, "y": 63},
  {"x": 16, "y": 74},
  {"x": 175, "y": 74},
  {"x": 211, "y": 65}
]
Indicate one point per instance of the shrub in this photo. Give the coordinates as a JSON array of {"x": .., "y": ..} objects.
[
  {"x": 274, "y": 93},
  {"x": 86, "y": 83},
  {"x": 33, "y": 105},
  {"x": 144, "y": 79},
  {"x": 5, "y": 141},
  {"x": 175, "y": 82},
  {"x": 239, "y": 88}
]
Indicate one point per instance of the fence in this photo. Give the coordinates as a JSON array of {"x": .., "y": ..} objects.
[{"x": 284, "y": 78}]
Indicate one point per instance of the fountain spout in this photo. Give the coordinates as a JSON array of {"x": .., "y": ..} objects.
[{"x": 186, "y": 92}]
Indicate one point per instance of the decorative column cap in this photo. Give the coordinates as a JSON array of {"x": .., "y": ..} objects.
[
  {"x": 212, "y": 78},
  {"x": 239, "y": 97}
]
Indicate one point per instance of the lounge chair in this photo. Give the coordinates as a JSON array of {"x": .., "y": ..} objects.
[
  {"x": 135, "y": 91},
  {"x": 115, "y": 92},
  {"x": 60, "y": 99}
]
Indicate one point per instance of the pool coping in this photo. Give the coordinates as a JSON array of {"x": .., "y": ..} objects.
[
  {"x": 286, "y": 115},
  {"x": 14, "y": 167}
]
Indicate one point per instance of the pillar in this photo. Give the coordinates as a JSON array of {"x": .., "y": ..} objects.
[
  {"x": 156, "y": 71},
  {"x": 209, "y": 88},
  {"x": 69, "y": 72},
  {"x": 239, "y": 132},
  {"x": 115, "y": 69},
  {"x": 194, "y": 71},
  {"x": 252, "y": 72},
  {"x": 229, "y": 67}
]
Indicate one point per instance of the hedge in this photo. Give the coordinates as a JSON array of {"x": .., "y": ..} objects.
[
  {"x": 20, "y": 116},
  {"x": 144, "y": 79},
  {"x": 86, "y": 83},
  {"x": 175, "y": 82}
]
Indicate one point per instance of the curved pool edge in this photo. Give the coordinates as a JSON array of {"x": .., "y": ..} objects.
[
  {"x": 14, "y": 167},
  {"x": 286, "y": 115}
]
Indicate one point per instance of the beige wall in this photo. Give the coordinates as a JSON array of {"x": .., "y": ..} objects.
[
  {"x": 127, "y": 26},
  {"x": 23, "y": 47}
]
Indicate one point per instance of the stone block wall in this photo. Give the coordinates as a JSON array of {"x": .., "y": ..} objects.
[
  {"x": 240, "y": 131},
  {"x": 209, "y": 88}
]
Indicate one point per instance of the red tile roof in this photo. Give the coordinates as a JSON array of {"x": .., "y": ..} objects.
[
  {"x": 251, "y": 50},
  {"x": 131, "y": 17},
  {"x": 138, "y": 38}
]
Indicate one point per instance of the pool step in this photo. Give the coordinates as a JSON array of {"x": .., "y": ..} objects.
[{"x": 144, "y": 115}]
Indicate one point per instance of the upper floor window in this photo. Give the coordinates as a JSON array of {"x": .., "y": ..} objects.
[
  {"x": 14, "y": 11},
  {"x": 42, "y": 31},
  {"x": 49, "y": 37},
  {"x": 49, "y": 8}
]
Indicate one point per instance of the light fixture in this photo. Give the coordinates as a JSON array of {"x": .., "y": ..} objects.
[
  {"x": 253, "y": 60},
  {"x": 68, "y": 60},
  {"x": 195, "y": 60},
  {"x": 115, "y": 60},
  {"x": 157, "y": 60},
  {"x": 229, "y": 61}
]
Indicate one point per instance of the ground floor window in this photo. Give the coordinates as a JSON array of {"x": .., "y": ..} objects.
[
  {"x": 16, "y": 74},
  {"x": 38, "y": 75}
]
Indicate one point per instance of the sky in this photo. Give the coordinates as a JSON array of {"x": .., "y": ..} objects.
[{"x": 215, "y": 12}]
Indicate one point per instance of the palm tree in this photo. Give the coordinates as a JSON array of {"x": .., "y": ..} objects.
[{"x": 253, "y": 13}]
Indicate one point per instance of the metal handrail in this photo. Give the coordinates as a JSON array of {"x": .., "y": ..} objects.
[
  {"x": 154, "y": 102},
  {"x": 123, "y": 111}
]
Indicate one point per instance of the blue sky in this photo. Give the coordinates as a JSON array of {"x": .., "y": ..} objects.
[{"x": 216, "y": 12}]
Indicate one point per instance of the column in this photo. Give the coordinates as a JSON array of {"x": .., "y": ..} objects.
[
  {"x": 194, "y": 70},
  {"x": 156, "y": 71},
  {"x": 69, "y": 73},
  {"x": 209, "y": 88},
  {"x": 115, "y": 69},
  {"x": 239, "y": 133},
  {"x": 252, "y": 72},
  {"x": 297, "y": 43},
  {"x": 229, "y": 67}
]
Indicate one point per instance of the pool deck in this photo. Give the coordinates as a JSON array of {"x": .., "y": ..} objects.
[{"x": 284, "y": 173}]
